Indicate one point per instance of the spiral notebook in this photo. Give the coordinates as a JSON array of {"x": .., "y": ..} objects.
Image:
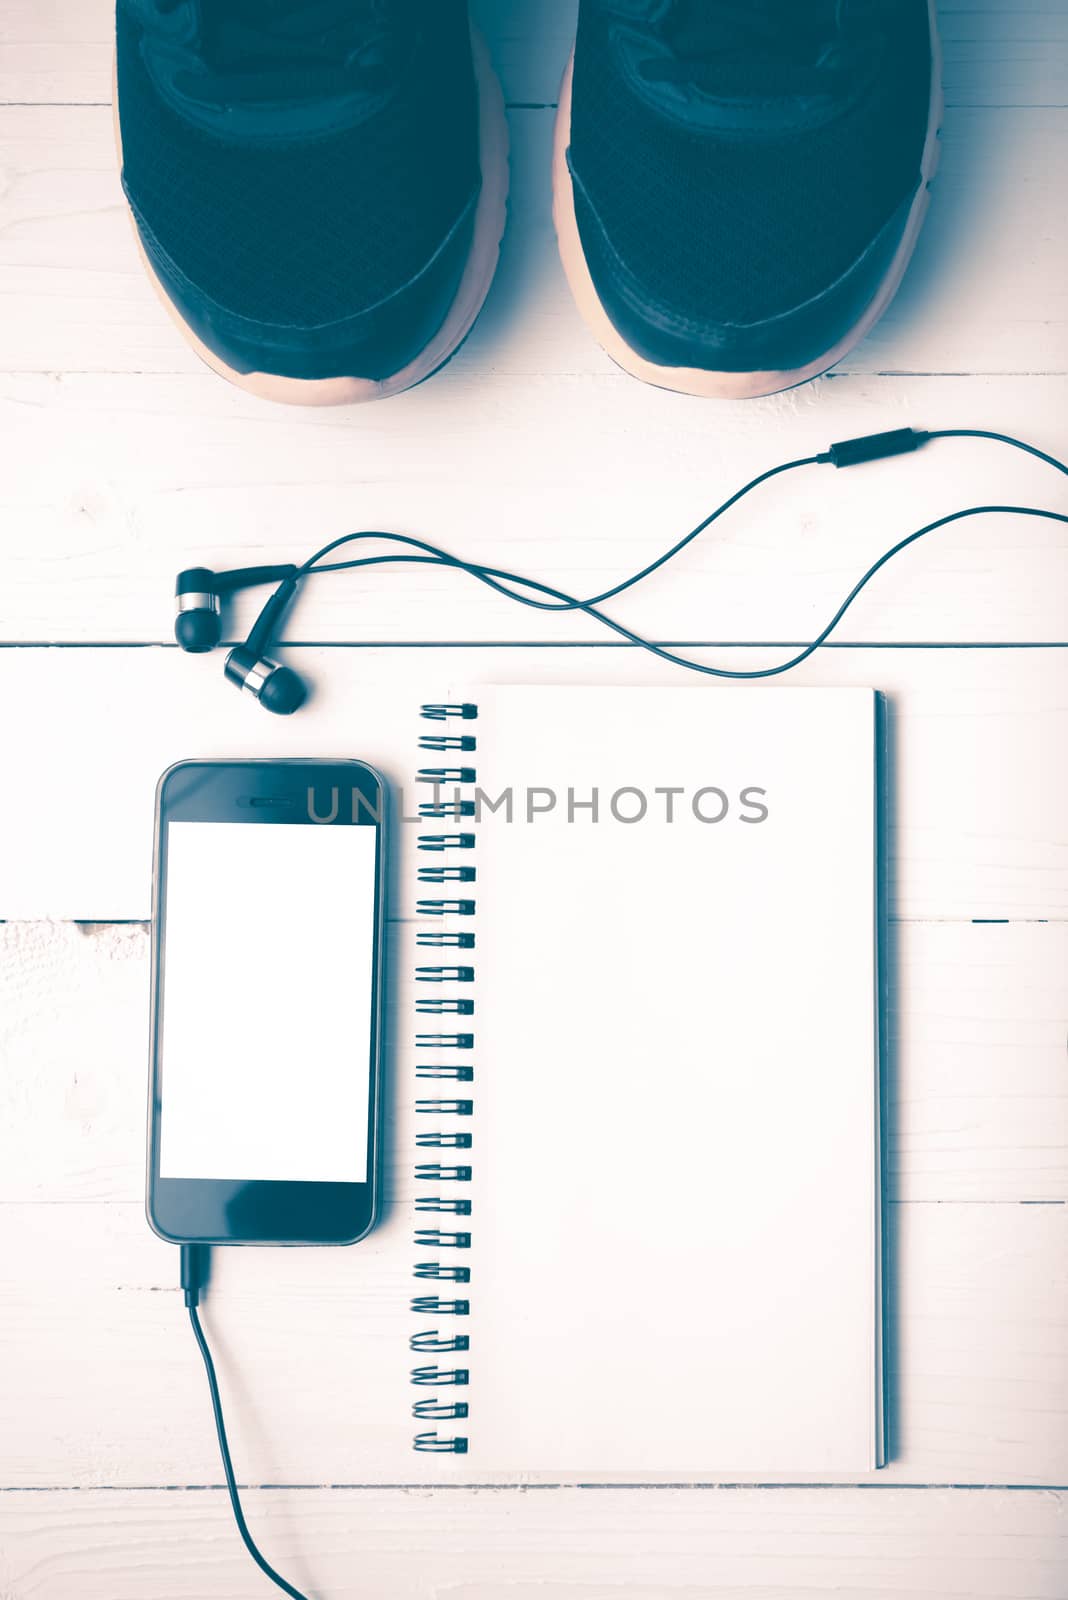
[
  {"x": 630, "y": 1227},
  {"x": 643, "y": 1050}
]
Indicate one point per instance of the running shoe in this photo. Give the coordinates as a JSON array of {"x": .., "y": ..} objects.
[
  {"x": 318, "y": 186},
  {"x": 739, "y": 184}
]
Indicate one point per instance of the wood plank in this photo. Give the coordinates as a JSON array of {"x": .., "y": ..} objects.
[
  {"x": 1002, "y": 54},
  {"x": 313, "y": 1353},
  {"x": 114, "y": 484},
  {"x": 983, "y": 294},
  {"x": 568, "y": 1544},
  {"x": 975, "y": 1073},
  {"x": 994, "y": 53},
  {"x": 976, "y": 807},
  {"x": 976, "y": 1102}
]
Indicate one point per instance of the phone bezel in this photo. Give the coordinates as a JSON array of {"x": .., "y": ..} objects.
[{"x": 246, "y": 793}]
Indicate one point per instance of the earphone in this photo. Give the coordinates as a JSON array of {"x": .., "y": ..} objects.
[
  {"x": 198, "y": 628},
  {"x": 197, "y": 625},
  {"x": 199, "y": 591}
]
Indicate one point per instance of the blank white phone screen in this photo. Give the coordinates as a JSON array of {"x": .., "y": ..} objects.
[{"x": 268, "y": 965}]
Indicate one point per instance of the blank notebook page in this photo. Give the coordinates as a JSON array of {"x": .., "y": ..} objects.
[{"x": 676, "y": 1216}]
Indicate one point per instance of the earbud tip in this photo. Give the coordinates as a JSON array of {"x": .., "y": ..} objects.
[
  {"x": 197, "y": 631},
  {"x": 283, "y": 693}
]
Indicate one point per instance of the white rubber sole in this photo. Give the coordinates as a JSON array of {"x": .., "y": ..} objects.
[
  {"x": 699, "y": 380},
  {"x": 474, "y": 285}
]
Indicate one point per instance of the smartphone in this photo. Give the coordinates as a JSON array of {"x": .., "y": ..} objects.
[{"x": 266, "y": 1017}]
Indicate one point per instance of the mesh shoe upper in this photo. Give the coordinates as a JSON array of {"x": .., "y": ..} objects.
[
  {"x": 277, "y": 221},
  {"x": 734, "y": 161}
]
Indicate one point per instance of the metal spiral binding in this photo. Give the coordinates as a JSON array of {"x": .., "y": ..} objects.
[
  {"x": 439, "y": 775},
  {"x": 435, "y": 1269},
  {"x": 447, "y": 808},
  {"x": 432, "y": 1305},
  {"x": 451, "y": 806},
  {"x": 442, "y": 742},
  {"x": 438, "y": 713},
  {"x": 433, "y": 1341},
  {"x": 440, "y": 1408},
  {"x": 432, "y": 1444}
]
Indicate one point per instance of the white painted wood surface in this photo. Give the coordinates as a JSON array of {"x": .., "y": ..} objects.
[
  {"x": 123, "y": 461},
  {"x": 559, "y": 1544},
  {"x": 117, "y": 482}
]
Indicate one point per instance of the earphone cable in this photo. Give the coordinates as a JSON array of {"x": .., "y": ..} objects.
[
  {"x": 904, "y": 439},
  {"x": 569, "y": 603},
  {"x": 999, "y": 438},
  {"x": 194, "y": 1272},
  {"x": 490, "y": 575},
  {"x": 669, "y": 555}
]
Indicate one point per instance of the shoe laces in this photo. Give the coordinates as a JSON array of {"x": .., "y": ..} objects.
[
  {"x": 254, "y": 51},
  {"x": 797, "y": 45}
]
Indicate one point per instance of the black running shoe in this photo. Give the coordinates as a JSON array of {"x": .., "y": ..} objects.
[
  {"x": 318, "y": 186},
  {"x": 739, "y": 184}
]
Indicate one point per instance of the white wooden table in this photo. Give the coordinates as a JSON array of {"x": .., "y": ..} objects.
[{"x": 121, "y": 461}]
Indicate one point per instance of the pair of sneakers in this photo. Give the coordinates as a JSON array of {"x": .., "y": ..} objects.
[{"x": 319, "y": 186}]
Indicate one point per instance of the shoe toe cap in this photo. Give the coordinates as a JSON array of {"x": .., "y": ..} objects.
[
  {"x": 659, "y": 329},
  {"x": 372, "y": 342}
]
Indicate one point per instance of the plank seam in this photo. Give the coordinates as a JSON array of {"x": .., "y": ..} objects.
[{"x": 707, "y": 1485}]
